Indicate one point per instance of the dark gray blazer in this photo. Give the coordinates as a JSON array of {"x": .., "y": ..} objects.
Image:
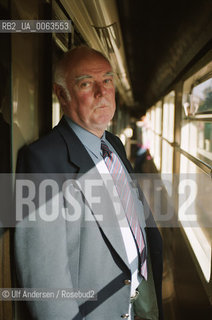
[{"x": 89, "y": 255}]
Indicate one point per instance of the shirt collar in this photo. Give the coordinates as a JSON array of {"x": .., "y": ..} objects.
[{"x": 88, "y": 139}]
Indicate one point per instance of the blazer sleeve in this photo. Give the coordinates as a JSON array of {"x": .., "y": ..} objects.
[{"x": 41, "y": 253}]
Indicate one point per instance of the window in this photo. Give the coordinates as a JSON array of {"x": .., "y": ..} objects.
[
  {"x": 158, "y": 117},
  {"x": 196, "y": 165},
  {"x": 168, "y": 138},
  {"x": 157, "y": 157},
  {"x": 195, "y": 205},
  {"x": 168, "y": 116},
  {"x": 197, "y": 139},
  {"x": 151, "y": 133},
  {"x": 201, "y": 96},
  {"x": 158, "y": 131}
]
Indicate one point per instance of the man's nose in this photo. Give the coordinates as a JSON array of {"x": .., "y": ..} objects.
[{"x": 99, "y": 89}]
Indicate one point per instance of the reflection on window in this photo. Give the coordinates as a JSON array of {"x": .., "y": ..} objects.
[
  {"x": 197, "y": 139},
  {"x": 168, "y": 117},
  {"x": 195, "y": 204},
  {"x": 204, "y": 143},
  {"x": 196, "y": 132},
  {"x": 201, "y": 97}
]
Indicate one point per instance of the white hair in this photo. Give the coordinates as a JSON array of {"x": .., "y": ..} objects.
[{"x": 59, "y": 79}]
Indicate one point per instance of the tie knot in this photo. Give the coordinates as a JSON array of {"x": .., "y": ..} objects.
[{"x": 105, "y": 150}]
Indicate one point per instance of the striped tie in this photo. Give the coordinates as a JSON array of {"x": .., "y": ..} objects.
[{"x": 125, "y": 194}]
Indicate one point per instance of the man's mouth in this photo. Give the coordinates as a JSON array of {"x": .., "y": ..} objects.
[{"x": 102, "y": 106}]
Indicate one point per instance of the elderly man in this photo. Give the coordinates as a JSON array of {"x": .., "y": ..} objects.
[{"x": 108, "y": 247}]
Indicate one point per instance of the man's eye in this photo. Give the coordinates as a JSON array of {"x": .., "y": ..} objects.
[
  {"x": 108, "y": 81},
  {"x": 85, "y": 85}
]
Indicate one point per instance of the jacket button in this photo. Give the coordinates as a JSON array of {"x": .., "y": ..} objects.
[
  {"x": 125, "y": 316},
  {"x": 127, "y": 282}
]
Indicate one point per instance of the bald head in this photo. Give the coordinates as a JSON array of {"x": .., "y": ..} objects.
[{"x": 69, "y": 60}]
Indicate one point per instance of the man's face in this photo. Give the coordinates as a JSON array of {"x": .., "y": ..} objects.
[{"x": 91, "y": 87}]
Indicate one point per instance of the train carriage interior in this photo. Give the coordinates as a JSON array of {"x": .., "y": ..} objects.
[{"x": 161, "y": 54}]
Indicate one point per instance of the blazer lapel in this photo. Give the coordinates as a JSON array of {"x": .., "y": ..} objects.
[
  {"x": 77, "y": 153},
  {"x": 105, "y": 214}
]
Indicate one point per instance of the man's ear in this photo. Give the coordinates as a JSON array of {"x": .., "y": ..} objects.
[{"x": 60, "y": 93}]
